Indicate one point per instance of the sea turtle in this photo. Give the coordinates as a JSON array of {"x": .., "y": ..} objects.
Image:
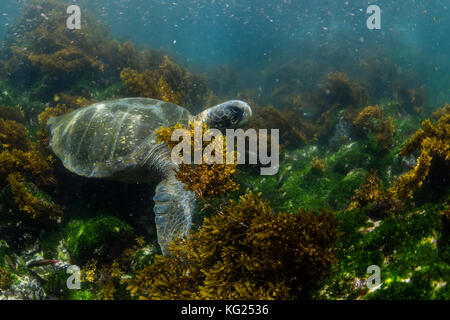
[{"x": 117, "y": 140}]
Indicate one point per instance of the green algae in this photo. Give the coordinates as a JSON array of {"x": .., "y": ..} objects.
[
  {"x": 403, "y": 246},
  {"x": 101, "y": 236},
  {"x": 81, "y": 295}
]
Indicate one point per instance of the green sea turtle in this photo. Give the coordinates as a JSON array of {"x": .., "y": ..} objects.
[{"x": 117, "y": 140}]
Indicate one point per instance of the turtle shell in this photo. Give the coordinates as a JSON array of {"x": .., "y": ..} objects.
[{"x": 109, "y": 137}]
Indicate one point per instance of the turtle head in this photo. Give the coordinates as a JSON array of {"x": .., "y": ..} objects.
[{"x": 228, "y": 115}]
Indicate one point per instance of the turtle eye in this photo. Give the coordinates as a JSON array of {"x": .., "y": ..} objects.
[
  {"x": 235, "y": 109},
  {"x": 235, "y": 114}
]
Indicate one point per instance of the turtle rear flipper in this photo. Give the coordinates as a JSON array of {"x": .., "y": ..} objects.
[{"x": 173, "y": 209}]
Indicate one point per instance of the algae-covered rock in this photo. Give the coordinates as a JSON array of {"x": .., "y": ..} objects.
[
  {"x": 102, "y": 237},
  {"x": 342, "y": 191},
  {"x": 405, "y": 248},
  {"x": 56, "y": 284},
  {"x": 352, "y": 155}
]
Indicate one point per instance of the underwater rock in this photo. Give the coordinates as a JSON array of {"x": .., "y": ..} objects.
[
  {"x": 341, "y": 135},
  {"x": 30, "y": 281},
  {"x": 27, "y": 289}
]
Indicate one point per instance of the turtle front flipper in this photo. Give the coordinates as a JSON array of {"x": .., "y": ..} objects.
[{"x": 173, "y": 209}]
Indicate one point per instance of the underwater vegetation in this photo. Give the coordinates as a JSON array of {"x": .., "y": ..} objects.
[
  {"x": 5, "y": 279},
  {"x": 31, "y": 201},
  {"x": 318, "y": 166},
  {"x": 374, "y": 198},
  {"x": 433, "y": 143},
  {"x": 13, "y": 136},
  {"x": 406, "y": 249},
  {"x": 167, "y": 82},
  {"x": 83, "y": 238},
  {"x": 12, "y": 113},
  {"x": 411, "y": 100},
  {"x": 88, "y": 63},
  {"x": 372, "y": 118},
  {"x": 48, "y": 50},
  {"x": 107, "y": 277},
  {"x": 208, "y": 179},
  {"x": 26, "y": 172},
  {"x": 258, "y": 244},
  {"x": 64, "y": 61},
  {"x": 336, "y": 90},
  {"x": 313, "y": 115},
  {"x": 385, "y": 217},
  {"x": 296, "y": 130},
  {"x": 246, "y": 251},
  {"x": 104, "y": 248}
]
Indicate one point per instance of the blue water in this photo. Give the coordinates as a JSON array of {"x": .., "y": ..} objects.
[{"x": 250, "y": 34}]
